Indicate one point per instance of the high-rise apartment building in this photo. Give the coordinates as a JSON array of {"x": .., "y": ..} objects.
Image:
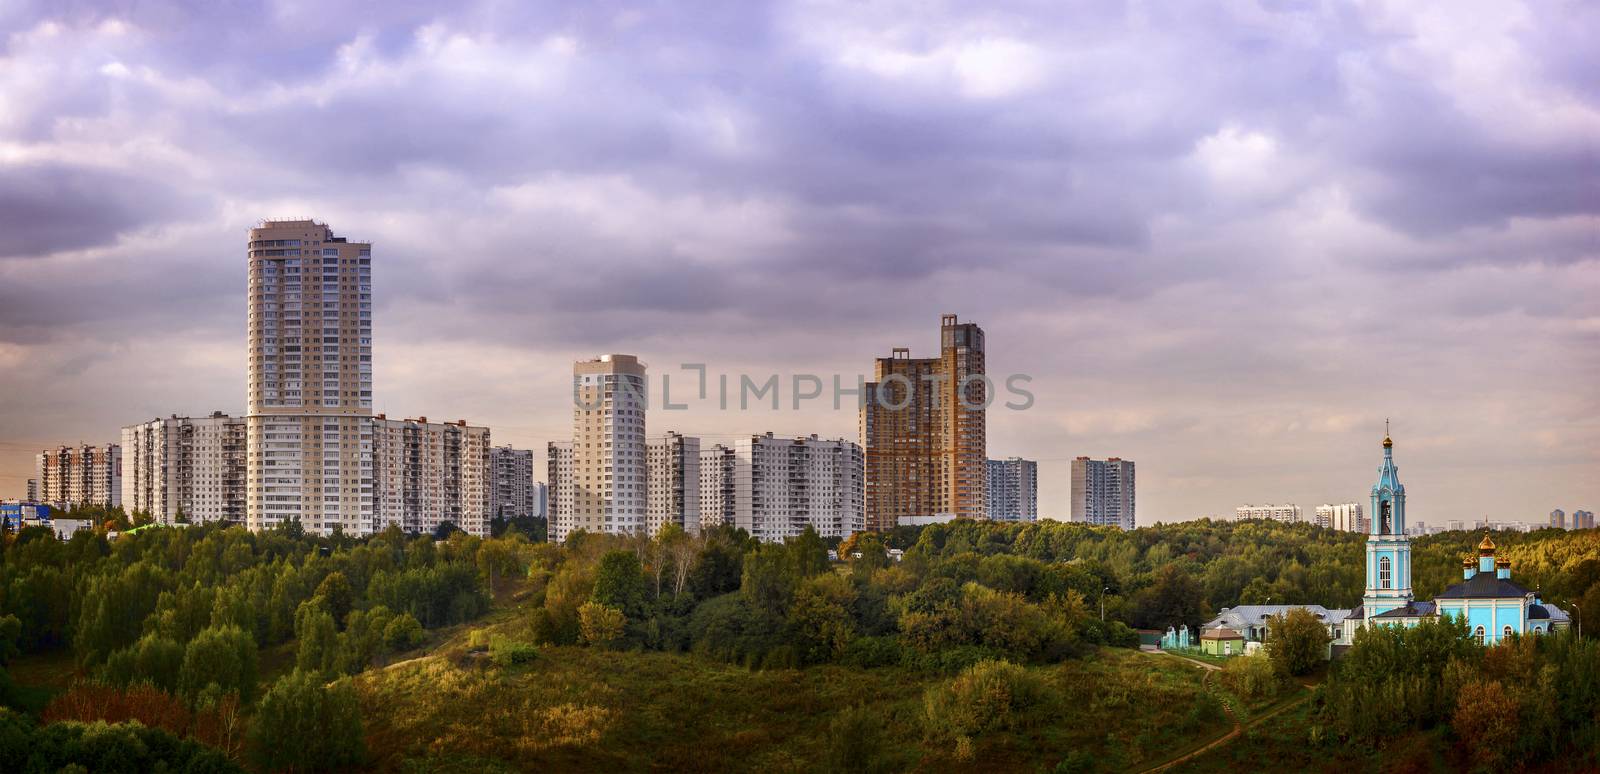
[
  {"x": 80, "y": 475},
  {"x": 774, "y": 487},
  {"x": 1103, "y": 492},
  {"x": 33, "y": 490},
  {"x": 1583, "y": 519},
  {"x": 426, "y": 474},
  {"x": 923, "y": 430},
  {"x": 1012, "y": 490},
  {"x": 193, "y": 466},
  {"x": 672, "y": 478},
  {"x": 559, "y": 498},
  {"x": 309, "y": 449},
  {"x": 1345, "y": 517},
  {"x": 1558, "y": 519},
  {"x": 1285, "y": 513},
  {"x": 607, "y": 489},
  {"x": 513, "y": 493}
]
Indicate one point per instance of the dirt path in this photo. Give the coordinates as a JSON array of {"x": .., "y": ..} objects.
[{"x": 1238, "y": 728}]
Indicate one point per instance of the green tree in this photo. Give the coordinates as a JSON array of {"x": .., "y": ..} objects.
[
  {"x": 1298, "y": 642},
  {"x": 222, "y": 656},
  {"x": 402, "y": 633},
  {"x": 600, "y": 624},
  {"x": 304, "y": 725},
  {"x": 319, "y": 640},
  {"x": 336, "y": 595},
  {"x": 619, "y": 582}
]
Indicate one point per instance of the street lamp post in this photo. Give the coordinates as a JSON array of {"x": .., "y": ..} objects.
[
  {"x": 1579, "y": 608},
  {"x": 1108, "y": 588}
]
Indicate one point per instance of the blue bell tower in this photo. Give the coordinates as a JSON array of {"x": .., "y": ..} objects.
[{"x": 1388, "y": 548}]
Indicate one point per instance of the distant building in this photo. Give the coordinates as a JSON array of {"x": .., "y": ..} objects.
[
  {"x": 193, "y": 466},
  {"x": 558, "y": 495},
  {"x": 33, "y": 490},
  {"x": 1558, "y": 519},
  {"x": 922, "y": 430},
  {"x": 1254, "y": 622},
  {"x": 605, "y": 484},
  {"x": 513, "y": 494},
  {"x": 80, "y": 475},
  {"x": 1012, "y": 490},
  {"x": 1289, "y": 514},
  {"x": 426, "y": 474},
  {"x": 1103, "y": 492},
  {"x": 672, "y": 475},
  {"x": 774, "y": 487},
  {"x": 1583, "y": 519},
  {"x": 1345, "y": 517}
]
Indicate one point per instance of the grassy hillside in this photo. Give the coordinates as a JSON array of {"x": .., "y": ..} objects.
[{"x": 577, "y": 708}]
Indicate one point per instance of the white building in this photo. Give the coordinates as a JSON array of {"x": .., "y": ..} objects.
[
  {"x": 1345, "y": 517},
  {"x": 1011, "y": 491},
  {"x": 1289, "y": 514},
  {"x": 1103, "y": 492},
  {"x": 310, "y": 385},
  {"x": 558, "y": 497},
  {"x": 606, "y": 489},
  {"x": 194, "y": 466},
  {"x": 426, "y": 474},
  {"x": 672, "y": 475},
  {"x": 80, "y": 475},
  {"x": 512, "y": 491},
  {"x": 774, "y": 488}
]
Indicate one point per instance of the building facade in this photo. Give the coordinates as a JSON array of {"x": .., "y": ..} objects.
[
  {"x": 80, "y": 475},
  {"x": 1583, "y": 519},
  {"x": 309, "y": 455},
  {"x": 1558, "y": 519},
  {"x": 606, "y": 485},
  {"x": 1285, "y": 513},
  {"x": 1345, "y": 517},
  {"x": 923, "y": 430},
  {"x": 1103, "y": 492},
  {"x": 427, "y": 474},
  {"x": 33, "y": 490},
  {"x": 186, "y": 467},
  {"x": 1012, "y": 490},
  {"x": 672, "y": 480},
  {"x": 774, "y": 487},
  {"x": 513, "y": 493}
]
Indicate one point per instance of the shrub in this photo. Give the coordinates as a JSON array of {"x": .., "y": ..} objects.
[
  {"x": 872, "y": 652},
  {"x": 1252, "y": 677},
  {"x": 509, "y": 652},
  {"x": 991, "y": 695}
]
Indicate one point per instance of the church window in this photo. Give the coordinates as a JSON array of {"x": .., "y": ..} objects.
[
  {"x": 1479, "y": 634},
  {"x": 1507, "y": 634},
  {"x": 1384, "y": 576}
]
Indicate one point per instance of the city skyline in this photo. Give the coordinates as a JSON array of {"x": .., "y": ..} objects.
[{"x": 1232, "y": 282}]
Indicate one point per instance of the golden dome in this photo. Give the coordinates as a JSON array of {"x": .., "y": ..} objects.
[
  {"x": 1502, "y": 562},
  {"x": 1467, "y": 562},
  {"x": 1388, "y": 443},
  {"x": 1486, "y": 547}
]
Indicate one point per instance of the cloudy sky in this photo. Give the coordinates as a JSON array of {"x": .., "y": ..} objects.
[{"x": 1225, "y": 240}]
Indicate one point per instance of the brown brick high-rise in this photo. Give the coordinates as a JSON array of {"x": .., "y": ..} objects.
[{"x": 922, "y": 427}]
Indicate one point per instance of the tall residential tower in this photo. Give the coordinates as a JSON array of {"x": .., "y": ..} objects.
[
  {"x": 599, "y": 483},
  {"x": 308, "y": 432},
  {"x": 1103, "y": 492},
  {"x": 923, "y": 431}
]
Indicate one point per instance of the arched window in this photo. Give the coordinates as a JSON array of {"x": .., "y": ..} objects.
[
  {"x": 1507, "y": 633},
  {"x": 1479, "y": 634},
  {"x": 1384, "y": 576},
  {"x": 1538, "y": 630}
]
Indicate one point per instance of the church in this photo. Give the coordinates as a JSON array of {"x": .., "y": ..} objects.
[{"x": 1494, "y": 606}]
